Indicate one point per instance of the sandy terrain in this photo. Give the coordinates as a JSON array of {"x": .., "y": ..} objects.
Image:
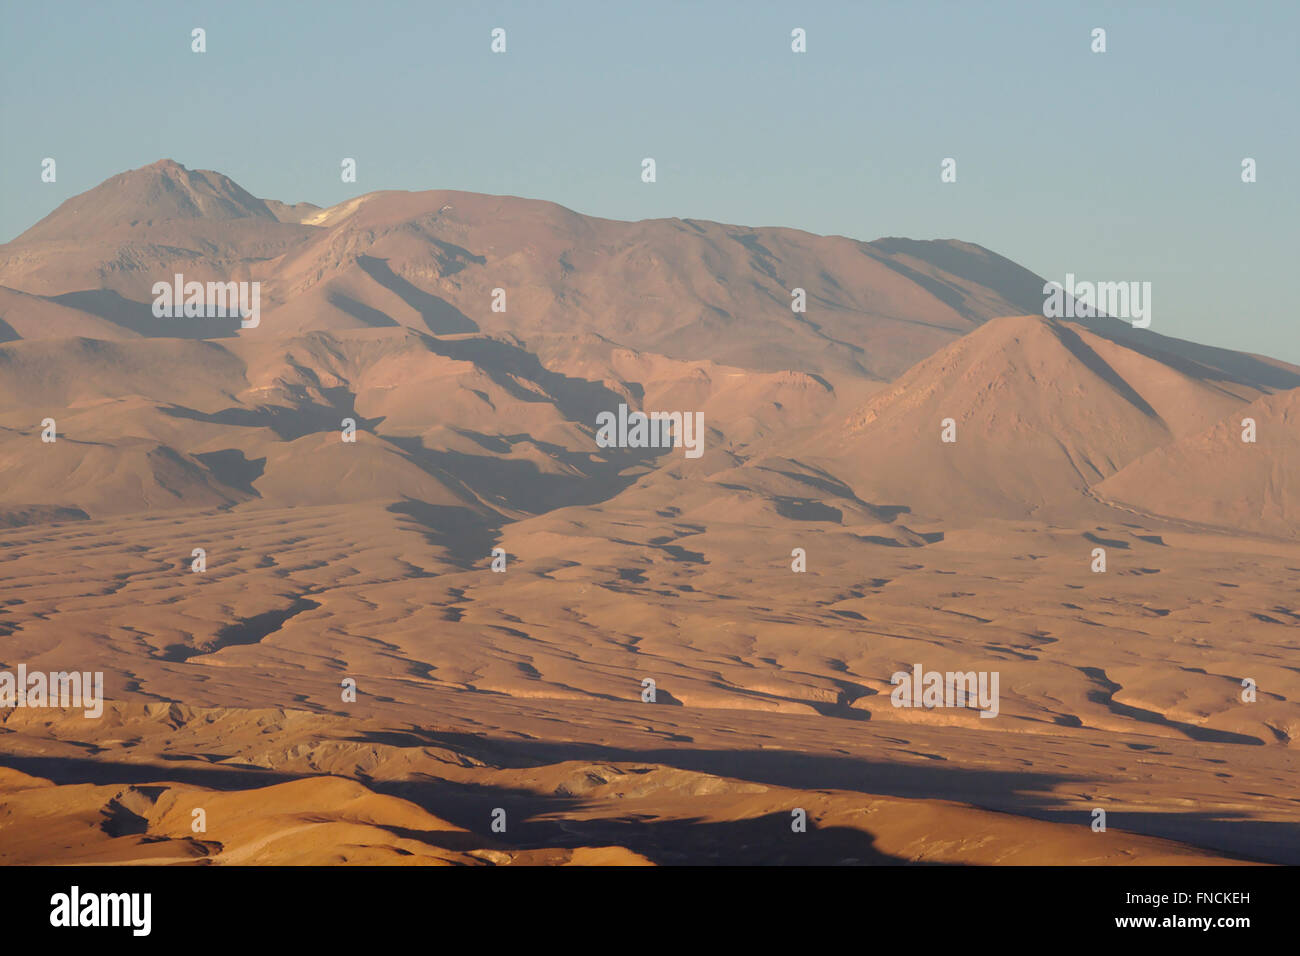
[{"x": 522, "y": 690}]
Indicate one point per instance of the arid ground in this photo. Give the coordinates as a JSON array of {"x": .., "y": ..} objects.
[{"x": 521, "y": 690}]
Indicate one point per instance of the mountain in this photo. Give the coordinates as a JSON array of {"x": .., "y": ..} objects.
[
  {"x": 1043, "y": 410},
  {"x": 501, "y": 588},
  {"x": 136, "y": 228},
  {"x": 474, "y": 339},
  {"x": 25, "y": 316},
  {"x": 683, "y": 288},
  {"x": 1213, "y": 477},
  {"x": 431, "y": 261},
  {"x": 146, "y": 197}
]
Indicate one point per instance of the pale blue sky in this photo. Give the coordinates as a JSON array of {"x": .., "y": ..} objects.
[{"x": 1116, "y": 166}]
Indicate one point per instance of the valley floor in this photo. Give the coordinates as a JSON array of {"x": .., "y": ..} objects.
[{"x": 479, "y": 692}]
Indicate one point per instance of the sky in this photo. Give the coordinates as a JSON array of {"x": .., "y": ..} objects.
[{"x": 1116, "y": 166}]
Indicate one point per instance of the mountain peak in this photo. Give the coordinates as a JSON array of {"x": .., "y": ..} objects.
[{"x": 164, "y": 190}]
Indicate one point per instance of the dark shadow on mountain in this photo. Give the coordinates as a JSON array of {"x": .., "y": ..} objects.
[
  {"x": 249, "y": 630},
  {"x": 455, "y": 840},
  {"x": 539, "y": 821},
  {"x": 233, "y": 469},
  {"x": 453, "y": 258},
  {"x": 1026, "y": 793},
  {"x": 439, "y": 315},
  {"x": 949, "y": 295},
  {"x": 1099, "y": 367},
  {"x": 827, "y": 483},
  {"x": 8, "y": 333},
  {"x": 510, "y": 483},
  {"x": 363, "y": 313},
  {"x": 138, "y": 317},
  {"x": 1265, "y": 841},
  {"x": 888, "y": 513},
  {"x": 78, "y": 770},
  {"x": 119, "y": 821},
  {"x": 1106, "y": 697},
  {"x": 467, "y": 537},
  {"x": 681, "y": 555},
  {"x": 804, "y": 510},
  {"x": 578, "y": 399},
  {"x": 287, "y": 422},
  {"x": 520, "y": 484},
  {"x": 974, "y": 263},
  {"x": 760, "y": 257},
  {"x": 883, "y": 541},
  {"x": 1108, "y": 542},
  {"x": 779, "y": 768},
  {"x": 534, "y": 821},
  {"x": 823, "y": 481},
  {"x": 16, "y": 516},
  {"x": 664, "y": 699},
  {"x": 1198, "y": 361}
]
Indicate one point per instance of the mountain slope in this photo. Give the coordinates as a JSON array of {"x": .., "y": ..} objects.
[
  {"x": 1215, "y": 478},
  {"x": 147, "y": 196},
  {"x": 684, "y": 288},
  {"x": 143, "y": 226},
  {"x": 431, "y": 261},
  {"x": 1042, "y": 411}
]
